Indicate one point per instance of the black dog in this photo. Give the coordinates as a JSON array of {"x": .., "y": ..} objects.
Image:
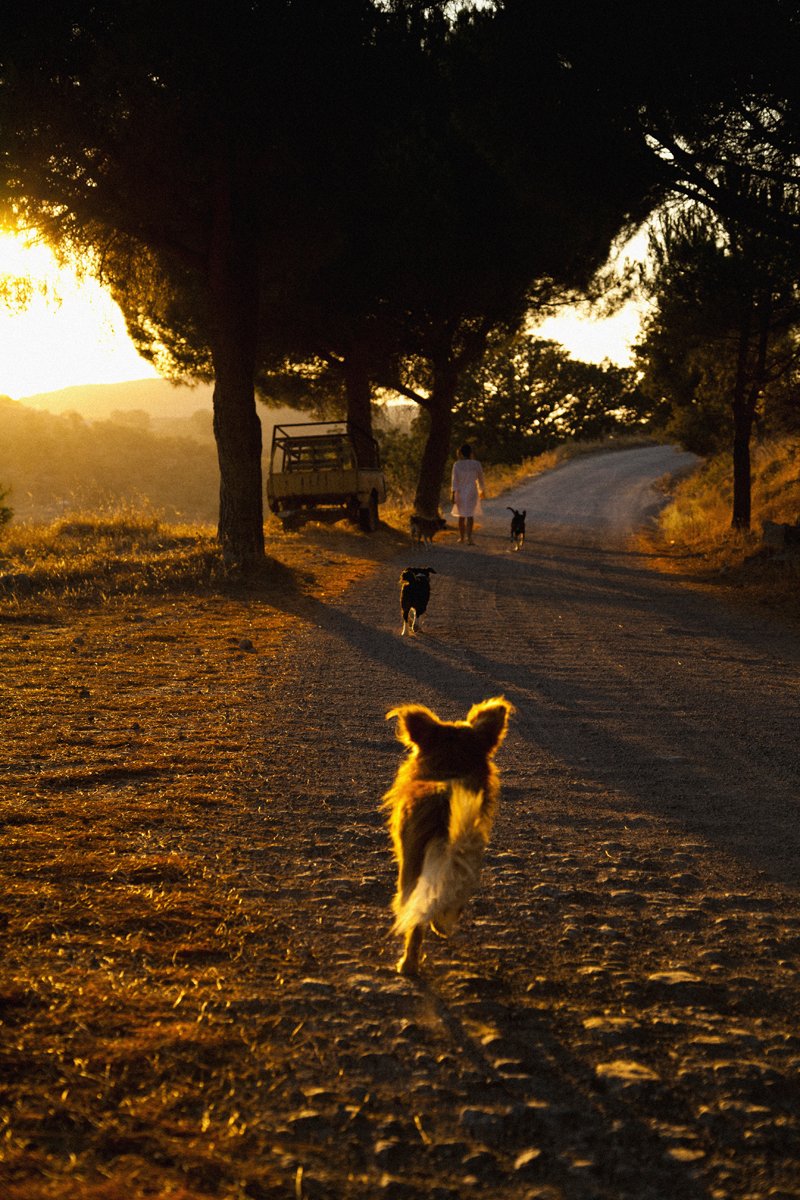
[
  {"x": 423, "y": 529},
  {"x": 518, "y": 527},
  {"x": 415, "y": 592}
]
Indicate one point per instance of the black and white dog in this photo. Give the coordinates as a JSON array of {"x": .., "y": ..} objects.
[
  {"x": 415, "y": 592},
  {"x": 518, "y": 527},
  {"x": 423, "y": 529}
]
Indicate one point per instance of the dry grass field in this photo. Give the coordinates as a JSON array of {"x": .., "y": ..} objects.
[
  {"x": 129, "y": 929},
  {"x": 694, "y": 538}
]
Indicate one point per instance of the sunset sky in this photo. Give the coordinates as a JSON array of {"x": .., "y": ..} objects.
[{"x": 74, "y": 334}]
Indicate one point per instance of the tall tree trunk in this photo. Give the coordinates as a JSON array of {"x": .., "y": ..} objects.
[
  {"x": 233, "y": 293},
  {"x": 359, "y": 407},
  {"x": 742, "y": 476},
  {"x": 437, "y": 446},
  {"x": 742, "y": 427},
  {"x": 237, "y": 430},
  {"x": 747, "y": 393}
]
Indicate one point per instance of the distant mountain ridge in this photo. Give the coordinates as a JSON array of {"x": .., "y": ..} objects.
[
  {"x": 97, "y": 401},
  {"x": 85, "y": 448}
]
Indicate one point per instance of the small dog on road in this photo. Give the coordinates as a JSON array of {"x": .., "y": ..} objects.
[
  {"x": 424, "y": 529},
  {"x": 415, "y": 592},
  {"x": 441, "y": 810},
  {"x": 518, "y": 527}
]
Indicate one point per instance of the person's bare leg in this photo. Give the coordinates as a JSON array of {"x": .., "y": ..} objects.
[
  {"x": 462, "y": 525},
  {"x": 470, "y": 523}
]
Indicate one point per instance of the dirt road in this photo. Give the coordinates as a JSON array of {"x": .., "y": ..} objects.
[
  {"x": 604, "y": 496},
  {"x": 198, "y": 997},
  {"x": 618, "y": 1016}
]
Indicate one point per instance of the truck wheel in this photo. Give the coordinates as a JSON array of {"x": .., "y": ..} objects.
[{"x": 368, "y": 515}]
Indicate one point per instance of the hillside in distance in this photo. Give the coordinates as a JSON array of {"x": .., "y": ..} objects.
[
  {"x": 159, "y": 398},
  {"x": 145, "y": 444}
]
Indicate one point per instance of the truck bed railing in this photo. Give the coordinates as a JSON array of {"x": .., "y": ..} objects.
[{"x": 320, "y": 446}]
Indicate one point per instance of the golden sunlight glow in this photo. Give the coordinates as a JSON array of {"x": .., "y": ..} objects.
[
  {"x": 594, "y": 340},
  {"x": 70, "y": 332},
  {"x": 597, "y": 339}
]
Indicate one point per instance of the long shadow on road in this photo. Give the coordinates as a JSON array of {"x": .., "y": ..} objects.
[
  {"x": 668, "y": 757},
  {"x": 568, "y": 686}
]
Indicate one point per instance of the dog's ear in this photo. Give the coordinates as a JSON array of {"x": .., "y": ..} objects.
[
  {"x": 489, "y": 719},
  {"x": 430, "y": 570},
  {"x": 416, "y": 725}
]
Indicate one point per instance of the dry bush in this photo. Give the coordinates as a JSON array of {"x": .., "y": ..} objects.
[
  {"x": 86, "y": 556},
  {"x": 698, "y": 517},
  {"x": 695, "y": 535}
]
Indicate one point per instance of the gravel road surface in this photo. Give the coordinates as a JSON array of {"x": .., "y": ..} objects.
[{"x": 618, "y": 1016}]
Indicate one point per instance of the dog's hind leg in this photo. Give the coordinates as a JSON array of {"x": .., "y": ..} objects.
[
  {"x": 411, "y": 854},
  {"x": 409, "y": 963}
]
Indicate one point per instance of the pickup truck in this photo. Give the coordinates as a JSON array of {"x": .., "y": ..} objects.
[{"x": 319, "y": 464}]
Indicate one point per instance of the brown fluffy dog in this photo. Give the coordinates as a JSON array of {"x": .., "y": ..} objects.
[
  {"x": 441, "y": 810},
  {"x": 424, "y": 529}
]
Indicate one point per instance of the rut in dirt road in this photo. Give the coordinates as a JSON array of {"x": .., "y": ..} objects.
[{"x": 618, "y": 1016}]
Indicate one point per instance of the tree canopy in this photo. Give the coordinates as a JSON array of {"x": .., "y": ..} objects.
[
  {"x": 527, "y": 395},
  {"x": 533, "y": 170},
  {"x": 721, "y": 339},
  {"x": 174, "y": 149},
  {"x": 379, "y": 187}
]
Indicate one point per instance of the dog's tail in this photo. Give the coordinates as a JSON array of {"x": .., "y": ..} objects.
[{"x": 450, "y": 870}]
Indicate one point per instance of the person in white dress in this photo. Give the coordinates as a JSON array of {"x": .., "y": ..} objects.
[{"x": 466, "y": 488}]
